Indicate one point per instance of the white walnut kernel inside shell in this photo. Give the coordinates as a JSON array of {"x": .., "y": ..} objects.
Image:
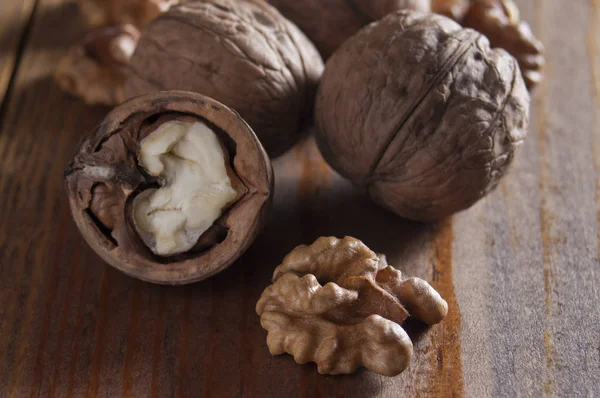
[{"x": 197, "y": 186}]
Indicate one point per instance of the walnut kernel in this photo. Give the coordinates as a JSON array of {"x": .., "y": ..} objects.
[{"x": 338, "y": 304}]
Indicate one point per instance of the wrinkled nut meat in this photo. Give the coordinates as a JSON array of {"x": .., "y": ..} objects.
[
  {"x": 455, "y": 9},
  {"x": 338, "y": 304},
  {"x": 241, "y": 53},
  {"x": 421, "y": 114},
  {"x": 328, "y": 23},
  {"x": 113, "y": 12},
  {"x": 94, "y": 69},
  {"x": 171, "y": 188},
  {"x": 500, "y": 21}
]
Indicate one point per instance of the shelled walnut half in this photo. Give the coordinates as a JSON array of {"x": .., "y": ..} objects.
[
  {"x": 135, "y": 12},
  {"x": 338, "y": 304},
  {"x": 94, "y": 69},
  {"x": 500, "y": 22},
  {"x": 171, "y": 188}
]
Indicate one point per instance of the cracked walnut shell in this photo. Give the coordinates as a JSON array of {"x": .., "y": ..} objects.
[
  {"x": 242, "y": 53},
  {"x": 171, "y": 187},
  {"x": 338, "y": 304},
  {"x": 421, "y": 114}
]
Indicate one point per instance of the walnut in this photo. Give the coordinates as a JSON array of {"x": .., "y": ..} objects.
[
  {"x": 338, "y": 304},
  {"x": 421, "y": 114},
  {"x": 328, "y": 23},
  {"x": 113, "y": 12},
  {"x": 455, "y": 9},
  {"x": 94, "y": 69},
  {"x": 500, "y": 21},
  {"x": 171, "y": 187},
  {"x": 242, "y": 53}
]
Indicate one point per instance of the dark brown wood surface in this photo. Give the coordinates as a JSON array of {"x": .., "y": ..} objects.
[{"x": 520, "y": 270}]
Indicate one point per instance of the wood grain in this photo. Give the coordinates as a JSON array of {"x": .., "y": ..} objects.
[
  {"x": 15, "y": 22},
  {"x": 520, "y": 269}
]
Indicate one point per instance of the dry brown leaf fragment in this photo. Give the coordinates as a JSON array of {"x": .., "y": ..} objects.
[
  {"x": 339, "y": 304},
  {"x": 135, "y": 12},
  {"x": 94, "y": 69},
  {"x": 500, "y": 21}
]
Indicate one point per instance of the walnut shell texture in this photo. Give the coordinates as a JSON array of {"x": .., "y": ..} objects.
[
  {"x": 242, "y": 53},
  {"x": 105, "y": 177},
  {"x": 329, "y": 23},
  {"x": 421, "y": 113},
  {"x": 338, "y": 304}
]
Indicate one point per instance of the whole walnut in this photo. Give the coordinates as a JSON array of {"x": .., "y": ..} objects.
[
  {"x": 242, "y": 53},
  {"x": 421, "y": 114},
  {"x": 328, "y": 23}
]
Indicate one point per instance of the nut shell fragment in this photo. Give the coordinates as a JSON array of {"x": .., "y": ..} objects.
[
  {"x": 104, "y": 179},
  {"x": 421, "y": 114},
  {"x": 338, "y": 304}
]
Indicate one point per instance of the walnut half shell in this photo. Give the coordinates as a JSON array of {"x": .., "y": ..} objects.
[
  {"x": 338, "y": 304},
  {"x": 171, "y": 187}
]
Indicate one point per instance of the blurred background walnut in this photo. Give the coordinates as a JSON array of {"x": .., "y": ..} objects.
[
  {"x": 500, "y": 21},
  {"x": 454, "y": 9},
  {"x": 94, "y": 69},
  {"x": 135, "y": 12},
  {"x": 338, "y": 304},
  {"x": 329, "y": 23}
]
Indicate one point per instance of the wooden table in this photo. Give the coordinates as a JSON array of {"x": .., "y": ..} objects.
[{"x": 520, "y": 270}]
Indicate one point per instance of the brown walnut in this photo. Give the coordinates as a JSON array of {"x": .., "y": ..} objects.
[
  {"x": 455, "y": 9},
  {"x": 114, "y": 12},
  {"x": 242, "y": 53},
  {"x": 328, "y": 23},
  {"x": 421, "y": 114},
  {"x": 500, "y": 21},
  {"x": 338, "y": 304},
  {"x": 171, "y": 187},
  {"x": 94, "y": 69}
]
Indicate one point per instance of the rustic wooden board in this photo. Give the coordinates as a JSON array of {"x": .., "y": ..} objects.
[
  {"x": 520, "y": 269},
  {"x": 15, "y": 20}
]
